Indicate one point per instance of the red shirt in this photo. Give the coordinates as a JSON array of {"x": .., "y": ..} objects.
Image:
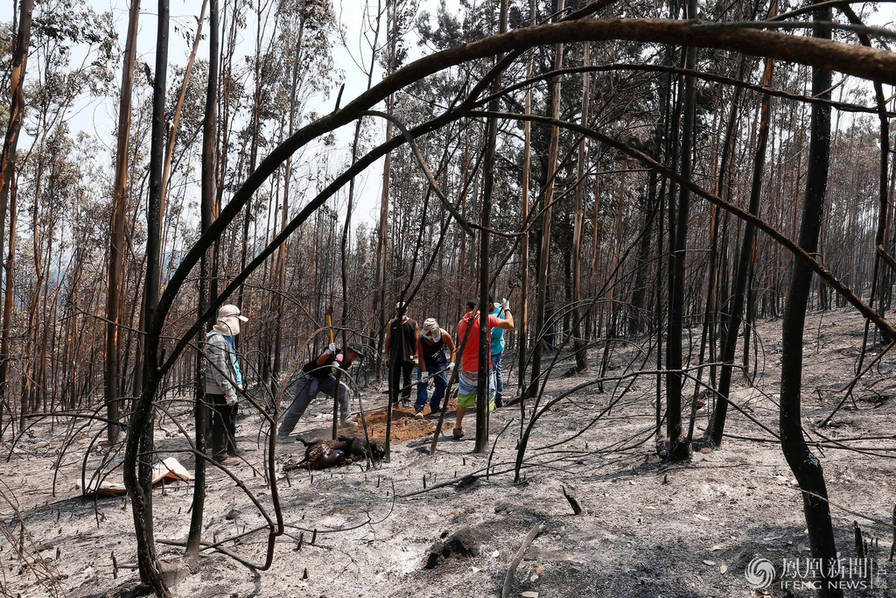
[{"x": 469, "y": 360}]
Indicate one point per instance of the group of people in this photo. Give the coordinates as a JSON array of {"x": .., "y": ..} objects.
[
  {"x": 223, "y": 381},
  {"x": 407, "y": 346}
]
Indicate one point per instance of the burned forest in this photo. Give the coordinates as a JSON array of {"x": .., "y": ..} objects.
[{"x": 515, "y": 298}]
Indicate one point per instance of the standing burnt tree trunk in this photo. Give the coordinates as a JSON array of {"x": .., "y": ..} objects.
[
  {"x": 483, "y": 387},
  {"x": 542, "y": 279},
  {"x": 744, "y": 260},
  {"x": 805, "y": 466},
  {"x": 707, "y": 337},
  {"x": 138, "y": 476},
  {"x": 8, "y": 303},
  {"x": 383, "y": 224},
  {"x": 578, "y": 338},
  {"x": 523, "y": 320},
  {"x": 678, "y": 245},
  {"x": 10, "y": 142},
  {"x": 117, "y": 243},
  {"x": 209, "y": 191}
]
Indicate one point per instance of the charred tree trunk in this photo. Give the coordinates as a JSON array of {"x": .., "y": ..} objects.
[
  {"x": 139, "y": 447},
  {"x": 16, "y": 108},
  {"x": 383, "y": 227},
  {"x": 637, "y": 315},
  {"x": 8, "y": 302},
  {"x": 805, "y": 465},
  {"x": 578, "y": 225},
  {"x": 522, "y": 335},
  {"x": 678, "y": 244},
  {"x": 483, "y": 388},
  {"x": 541, "y": 282},
  {"x": 717, "y": 423},
  {"x": 344, "y": 243},
  {"x": 207, "y": 206},
  {"x": 707, "y": 336}
]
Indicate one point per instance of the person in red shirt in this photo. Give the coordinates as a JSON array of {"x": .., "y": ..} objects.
[{"x": 469, "y": 362}]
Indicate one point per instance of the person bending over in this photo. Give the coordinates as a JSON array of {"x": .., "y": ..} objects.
[
  {"x": 431, "y": 344},
  {"x": 317, "y": 376}
]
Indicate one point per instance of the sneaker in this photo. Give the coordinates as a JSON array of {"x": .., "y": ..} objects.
[
  {"x": 435, "y": 411},
  {"x": 418, "y": 414},
  {"x": 499, "y": 402},
  {"x": 348, "y": 423},
  {"x": 458, "y": 433}
]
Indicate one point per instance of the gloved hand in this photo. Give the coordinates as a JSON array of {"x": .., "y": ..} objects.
[
  {"x": 450, "y": 366},
  {"x": 505, "y": 304},
  {"x": 332, "y": 348}
]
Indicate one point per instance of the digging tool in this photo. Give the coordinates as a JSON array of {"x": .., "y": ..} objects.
[
  {"x": 424, "y": 380},
  {"x": 335, "y": 398}
]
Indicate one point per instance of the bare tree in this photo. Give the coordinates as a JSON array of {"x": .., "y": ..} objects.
[
  {"x": 139, "y": 447},
  {"x": 207, "y": 207},
  {"x": 803, "y": 463},
  {"x": 678, "y": 236},
  {"x": 522, "y": 336},
  {"x": 483, "y": 388},
  {"x": 117, "y": 249},
  {"x": 541, "y": 282},
  {"x": 10, "y": 142},
  {"x": 579, "y": 223},
  {"x": 745, "y": 257}
]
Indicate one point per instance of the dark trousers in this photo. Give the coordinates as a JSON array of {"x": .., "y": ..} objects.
[
  {"x": 439, "y": 379},
  {"x": 306, "y": 389},
  {"x": 223, "y": 425},
  {"x": 400, "y": 379}
]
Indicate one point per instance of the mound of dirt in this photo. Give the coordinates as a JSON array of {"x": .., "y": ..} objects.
[{"x": 405, "y": 425}]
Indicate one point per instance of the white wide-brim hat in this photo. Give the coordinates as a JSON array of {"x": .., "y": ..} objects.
[{"x": 229, "y": 318}]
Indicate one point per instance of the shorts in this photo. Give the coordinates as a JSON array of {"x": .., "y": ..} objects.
[{"x": 467, "y": 383}]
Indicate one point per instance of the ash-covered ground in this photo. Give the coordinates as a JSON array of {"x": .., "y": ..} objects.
[{"x": 647, "y": 528}]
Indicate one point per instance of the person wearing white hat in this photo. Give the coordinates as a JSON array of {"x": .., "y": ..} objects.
[
  {"x": 222, "y": 380},
  {"x": 431, "y": 344}
]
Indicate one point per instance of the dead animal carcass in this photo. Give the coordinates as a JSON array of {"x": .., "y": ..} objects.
[{"x": 324, "y": 454}]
